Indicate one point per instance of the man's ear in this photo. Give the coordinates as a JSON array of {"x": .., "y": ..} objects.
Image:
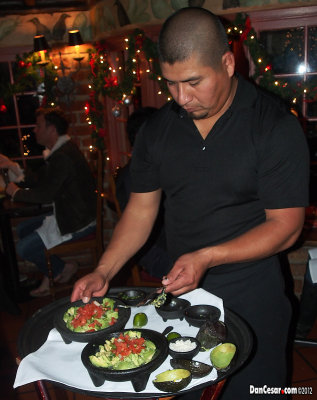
[{"x": 228, "y": 62}]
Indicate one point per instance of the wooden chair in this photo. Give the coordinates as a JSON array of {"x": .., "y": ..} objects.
[{"x": 93, "y": 242}]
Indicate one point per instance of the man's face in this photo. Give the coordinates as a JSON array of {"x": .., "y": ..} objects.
[
  {"x": 201, "y": 90},
  {"x": 41, "y": 131}
]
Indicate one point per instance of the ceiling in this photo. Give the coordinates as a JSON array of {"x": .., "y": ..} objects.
[{"x": 41, "y": 6}]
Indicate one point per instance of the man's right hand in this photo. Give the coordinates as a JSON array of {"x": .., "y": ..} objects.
[{"x": 91, "y": 285}]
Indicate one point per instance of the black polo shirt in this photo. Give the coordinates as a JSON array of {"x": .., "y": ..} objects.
[{"x": 254, "y": 158}]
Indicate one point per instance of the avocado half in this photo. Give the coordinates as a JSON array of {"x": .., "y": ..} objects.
[
  {"x": 172, "y": 380},
  {"x": 222, "y": 355}
]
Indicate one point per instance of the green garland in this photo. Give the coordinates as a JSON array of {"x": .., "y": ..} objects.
[
  {"x": 264, "y": 73},
  {"x": 104, "y": 81},
  {"x": 28, "y": 75}
]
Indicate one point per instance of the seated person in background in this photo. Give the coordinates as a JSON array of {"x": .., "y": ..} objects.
[
  {"x": 152, "y": 256},
  {"x": 65, "y": 180}
]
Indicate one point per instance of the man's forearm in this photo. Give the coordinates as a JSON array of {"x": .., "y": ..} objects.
[
  {"x": 271, "y": 237},
  {"x": 130, "y": 234}
]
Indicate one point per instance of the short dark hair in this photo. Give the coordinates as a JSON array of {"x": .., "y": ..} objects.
[
  {"x": 135, "y": 121},
  {"x": 193, "y": 30},
  {"x": 54, "y": 116}
]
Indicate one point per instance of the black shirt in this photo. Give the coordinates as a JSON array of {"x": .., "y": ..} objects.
[{"x": 254, "y": 158}]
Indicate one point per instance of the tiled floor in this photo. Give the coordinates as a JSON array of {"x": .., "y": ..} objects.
[{"x": 304, "y": 371}]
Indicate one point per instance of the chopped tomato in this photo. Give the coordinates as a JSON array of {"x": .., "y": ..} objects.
[
  {"x": 124, "y": 346},
  {"x": 87, "y": 312}
]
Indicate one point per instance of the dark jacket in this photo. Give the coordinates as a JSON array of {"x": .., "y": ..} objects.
[{"x": 65, "y": 180}]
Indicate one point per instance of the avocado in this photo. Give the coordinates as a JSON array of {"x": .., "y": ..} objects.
[
  {"x": 172, "y": 380},
  {"x": 222, "y": 355}
]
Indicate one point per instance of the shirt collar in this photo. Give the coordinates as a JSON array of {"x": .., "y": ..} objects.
[{"x": 60, "y": 141}]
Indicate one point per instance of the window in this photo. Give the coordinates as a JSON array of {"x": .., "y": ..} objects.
[
  {"x": 17, "y": 139},
  {"x": 290, "y": 39}
]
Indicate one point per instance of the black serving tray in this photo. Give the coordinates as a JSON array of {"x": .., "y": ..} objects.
[{"x": 35, "y": 332}]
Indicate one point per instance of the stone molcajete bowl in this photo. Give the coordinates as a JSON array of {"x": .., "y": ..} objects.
[
  {"x": 138, "y": 376},
  {"x": 173, "y": 308},
  {"x": 70, "y": 336}
]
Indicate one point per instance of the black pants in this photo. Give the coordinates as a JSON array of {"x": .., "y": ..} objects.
[{"x": 257, "y": 295}]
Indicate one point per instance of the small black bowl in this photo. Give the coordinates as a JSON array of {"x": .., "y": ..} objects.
[
  {"x": 188, "y": 355},
  {"x": 131, "y": 297},
  {"x": 173, "y": 308},
  {"x": 84, "y": 337},
  {"x": 197, "y": 315}
]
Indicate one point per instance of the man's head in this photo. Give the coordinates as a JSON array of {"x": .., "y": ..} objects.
[
  {"x": 196, "y": 63},
  {"x": 193, "y": 31},
  {"x": 50, "y": 124},
  {"x": 135, "y": 121}
]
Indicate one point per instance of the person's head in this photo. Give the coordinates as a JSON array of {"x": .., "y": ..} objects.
[
  {"x": 193, "y": 31},
  {"x": 135, "y": 121},
  {"x": 196, "y": 61},
  {"x": 50, "y": 124}
]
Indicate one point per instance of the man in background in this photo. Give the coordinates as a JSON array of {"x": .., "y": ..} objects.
[{"x": 66, "y": 182}]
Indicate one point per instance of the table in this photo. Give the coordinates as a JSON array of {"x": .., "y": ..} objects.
[
  {"x": 31, "y": 338},
  {"x": 9, "y": 210}
]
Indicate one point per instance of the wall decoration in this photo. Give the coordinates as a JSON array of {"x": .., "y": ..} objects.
[
  {"x": 8, "y": 25},
  {"x": 20, "y": 30}
]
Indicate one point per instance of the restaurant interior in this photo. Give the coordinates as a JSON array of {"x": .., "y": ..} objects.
[{"x": 96, "y": 59}]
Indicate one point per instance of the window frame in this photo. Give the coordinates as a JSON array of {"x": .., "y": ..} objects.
[
  {"x": 296, "y": 17},
  {"x": 10, "y": 57}
]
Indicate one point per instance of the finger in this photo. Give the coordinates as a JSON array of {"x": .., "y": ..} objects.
[
  {"x": 89, "y": 292},
  {"x": 85, "y": 299},
  {"x": 76, "y": 293}
]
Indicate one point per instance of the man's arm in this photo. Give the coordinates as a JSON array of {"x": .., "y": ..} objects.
[
  {"x": 130, "y": 234},
  {"x": 280, "y": 230}
]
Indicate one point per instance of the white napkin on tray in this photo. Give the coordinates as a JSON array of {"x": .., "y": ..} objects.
[{"x": 60, "y": 362}]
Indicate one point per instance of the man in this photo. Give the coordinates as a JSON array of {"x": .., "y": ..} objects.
[
  {"x": 66, "y": 181},
  {"x": 233, "y": 164}
]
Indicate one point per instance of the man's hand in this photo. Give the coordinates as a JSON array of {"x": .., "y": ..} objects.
[
  {"x": 187, "y": 272},
  {"x": 11, "y": 188},
  {"x": 91, "y": 285}
]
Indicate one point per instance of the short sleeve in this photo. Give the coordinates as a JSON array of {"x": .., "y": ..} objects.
[
  {"x": 144, "y": 170},
  {"x": 284, "y": 165}
]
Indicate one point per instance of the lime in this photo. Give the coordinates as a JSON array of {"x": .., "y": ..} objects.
[
  {"x": 139, "y": 320},
  {"x": 172, "y": 335}
]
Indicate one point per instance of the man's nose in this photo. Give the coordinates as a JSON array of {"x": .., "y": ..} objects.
[{"x": 184, "y": 96}]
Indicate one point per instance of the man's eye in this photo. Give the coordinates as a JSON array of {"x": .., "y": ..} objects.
[
  {"x": 194, "y": 83},
  {"x": 170, "y": 83}
]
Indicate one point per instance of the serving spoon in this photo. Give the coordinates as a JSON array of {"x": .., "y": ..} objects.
[{"x": 156, "y": 298}]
